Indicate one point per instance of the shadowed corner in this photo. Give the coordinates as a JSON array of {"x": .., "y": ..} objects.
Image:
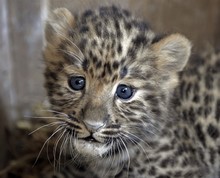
[{"x": 3, "y": 149}]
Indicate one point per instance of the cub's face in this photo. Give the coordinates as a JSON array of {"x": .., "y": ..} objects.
[{"x": 109, "y": 79}]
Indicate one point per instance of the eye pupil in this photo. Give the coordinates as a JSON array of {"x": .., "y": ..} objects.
[
  {"x": 77, "y": 83},
  {"x": 124, "y": 92}
]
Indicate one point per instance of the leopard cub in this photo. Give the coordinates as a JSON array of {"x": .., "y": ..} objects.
[{"x": 128, "y": 101}]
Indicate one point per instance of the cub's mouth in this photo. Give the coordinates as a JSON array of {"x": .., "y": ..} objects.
[
  {"x": 94, "y": 143},
  {"x": 90, "y": 139},
  {"x": 91, "y": 147}
]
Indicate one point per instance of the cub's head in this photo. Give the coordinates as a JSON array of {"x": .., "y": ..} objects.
[{"x": 109, "y": 79}]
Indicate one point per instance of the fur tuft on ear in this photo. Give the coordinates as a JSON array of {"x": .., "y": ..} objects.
[
  {"x": 58, "y": 24},
  {"x": 172, "y": 53}
]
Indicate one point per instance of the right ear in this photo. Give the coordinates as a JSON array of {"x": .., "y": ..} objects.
[
  {"x": 172, "y": 53},
  {"x": 58, "y": 25}
]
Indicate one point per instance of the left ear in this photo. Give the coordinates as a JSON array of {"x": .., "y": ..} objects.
[
  {"x": 172, "y": 53},
  {"x": 59, "y": 22}
]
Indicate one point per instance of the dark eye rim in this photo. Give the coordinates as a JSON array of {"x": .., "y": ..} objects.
[
  {"x": 77, "y": 76},
  {"x": 133, "y": 90}
]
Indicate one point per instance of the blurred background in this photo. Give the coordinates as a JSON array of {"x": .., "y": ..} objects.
[{"x": 21, "y": 40}]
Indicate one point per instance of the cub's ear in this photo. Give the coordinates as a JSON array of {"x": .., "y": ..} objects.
[
  {"x": 172, "y": 53},
  {"x": 58, "y": 24}
]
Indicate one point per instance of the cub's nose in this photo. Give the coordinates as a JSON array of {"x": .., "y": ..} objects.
[
  {"x": 96, "y": 117},
  {"x": 93, "y": 126}
]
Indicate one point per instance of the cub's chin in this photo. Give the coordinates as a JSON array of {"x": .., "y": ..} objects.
[{"x": 92, "y": 150}]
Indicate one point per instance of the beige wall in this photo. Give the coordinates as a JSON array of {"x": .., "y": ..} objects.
[{"x": 20, "y": 60}]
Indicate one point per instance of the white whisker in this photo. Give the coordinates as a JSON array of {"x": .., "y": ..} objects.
[
  {"x": 53, "y": 111},
  {"x": 47, "y": 125},
  {"x": 106, "y": 172},
  {"x": 71, "y": 54},
  {"x": 62, "y": 148},
  {"x": 129, "y": 161},
  {"x": 55, "y": 147},
  {"x": 134, "y": 142},
  {"x": 71, "y": 43},
  {"x": 139, "y": 139},
  {"x": 57, "y": 130},
  {"x": 41, "y": 117}
]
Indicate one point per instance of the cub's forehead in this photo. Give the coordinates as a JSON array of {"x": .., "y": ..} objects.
[
  {"x": 110, "y": 25},
  {"x": 104, "y": 44},
  {"x": 109, "y": 39}
]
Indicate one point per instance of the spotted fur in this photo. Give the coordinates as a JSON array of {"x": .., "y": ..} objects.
[{"x": 165, "y": 130}]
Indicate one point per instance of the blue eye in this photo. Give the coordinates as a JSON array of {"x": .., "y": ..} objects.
[
  {"x": 77, "y": 83},
  {"x": 124, "y": 91}
]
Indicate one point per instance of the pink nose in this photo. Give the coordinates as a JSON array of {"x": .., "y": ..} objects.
[{"x": 94, "y": 126}]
